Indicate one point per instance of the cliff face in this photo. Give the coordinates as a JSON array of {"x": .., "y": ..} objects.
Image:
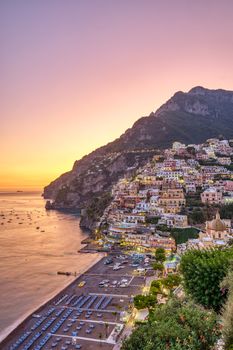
[
  {"x": 189, "y": 117},
  {"x": 96, "y": 175}
]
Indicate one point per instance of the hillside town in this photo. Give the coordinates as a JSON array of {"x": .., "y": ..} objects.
[
  {"x": 182, "y": 189},
  {"x": 167, "y": 224}
]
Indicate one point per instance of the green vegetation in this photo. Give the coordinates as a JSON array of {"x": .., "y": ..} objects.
[
  {"x": 203, "y": 272},
  {"x": 156, "y": 284},
  {"x": 227, "y": 312},
  {"x": 199, "y": 216},
  {"x": 152, "y": 220},
  {"x": 181, "y": 235},
  {"x": 196, "y": 217},
  {"x": 97, "y": 205},
  {"x": 156, "y": 287},
  {"x": 158, "y": 266},
  {"x": 171, "y": 281},
  {"x": 168, "y": 282},
  {"x": 144, "y": 301},
  {"x": 175, "y": 326},
  {"x": 226, "y": 211},
  {"x": 194, "y": 200},
  {"x": 163, "y": 228},
  {"x": 229, "y": 167},
  {"x": 160, "y": 255}
]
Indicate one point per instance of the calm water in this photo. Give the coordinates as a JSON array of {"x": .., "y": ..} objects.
[{"x": 34, "y": 245}]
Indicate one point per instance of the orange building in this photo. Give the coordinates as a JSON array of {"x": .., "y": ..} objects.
[{"x": 172, "y": 200}]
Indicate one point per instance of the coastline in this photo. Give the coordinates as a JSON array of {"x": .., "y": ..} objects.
[{"x": 7, "y": 332}]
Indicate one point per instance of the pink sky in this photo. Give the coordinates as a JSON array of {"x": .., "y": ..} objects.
[{"x": 75, "y": 74}]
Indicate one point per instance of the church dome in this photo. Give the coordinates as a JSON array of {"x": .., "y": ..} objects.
[{"x": 217, "y": 224}]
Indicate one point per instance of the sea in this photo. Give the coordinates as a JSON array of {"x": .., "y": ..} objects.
[{"x": 34, "y": 245}]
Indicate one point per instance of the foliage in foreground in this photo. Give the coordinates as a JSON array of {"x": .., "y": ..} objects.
[
  {"x": 203, "y": 272},
  {"x": 227, "y": 314},
  {"x": 176, "y": 326}
]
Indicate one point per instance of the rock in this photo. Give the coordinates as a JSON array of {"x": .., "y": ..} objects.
[{"x": 189, "y": 118}]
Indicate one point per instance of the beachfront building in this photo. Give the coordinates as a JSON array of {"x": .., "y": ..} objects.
[{"x": 148, "y": 242}]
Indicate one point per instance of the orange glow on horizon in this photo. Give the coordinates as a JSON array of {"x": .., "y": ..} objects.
[{"x": 76, "y": 75}]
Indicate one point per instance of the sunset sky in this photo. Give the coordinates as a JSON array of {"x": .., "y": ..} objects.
[{"x": 74, "y": 74}]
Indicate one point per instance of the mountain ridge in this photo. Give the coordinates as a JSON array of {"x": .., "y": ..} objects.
[{"x": 189, "y": 117}]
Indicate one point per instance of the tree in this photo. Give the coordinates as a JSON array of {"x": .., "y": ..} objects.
[
  {"x": 144, "y": 301},
  {"x": 197, "y": 216},
  {"x": 176, "y": 326},
  {"x": 156, "y": 284},
  {"x": 203, "y": 271},
  {"x": 100, "y": 338},
  {"x": 171, "y": 281},
  {"x": 155, "y": 287},
  {"x": 158, "y": 266},
  {"x": 226, "y": 211},
  {"x": 152, "y": 220},
  {"x": 106, "y": 325},
  {"x": 155, "y": 290},
  {"x": 181, "y": 235},
  {"x": 160, "y": 255}
]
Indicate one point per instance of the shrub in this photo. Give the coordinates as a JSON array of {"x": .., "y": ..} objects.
[
  {"x": 175, "y": 326},
  {"x": 160, "y": 255},
  {"x": 144, "y": 301},
  {"x": 181, "y": 235},
  {"x": 203, "y": 272},
  {"x": 171, "y": 281},
  {"x": 158, "y": 266}
]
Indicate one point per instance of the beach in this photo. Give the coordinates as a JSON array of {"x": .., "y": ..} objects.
[
  {"x": 94, "y": 258},
  {"x": 83, "y": 315},
  {"x": 35, "y": 245}
]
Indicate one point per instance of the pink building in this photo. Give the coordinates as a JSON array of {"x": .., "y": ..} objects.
[
  {"x": 211, "y": 196},
  {"x": 228, "y": 185}
]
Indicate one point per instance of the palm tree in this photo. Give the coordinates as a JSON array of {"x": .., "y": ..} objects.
[
  {"x": 106, "y": 325},
  {"x": 114, "y": 313},
  {"x": 100, "y": 338}
]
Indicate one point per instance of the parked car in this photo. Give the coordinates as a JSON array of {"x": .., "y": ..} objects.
[
  {"x": 108, "y": 261},
  {"x": 81, "y": 284}
]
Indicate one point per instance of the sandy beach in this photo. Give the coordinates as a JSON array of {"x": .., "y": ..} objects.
[
  {"x": 94, "y": 258},
  {"x": 81, "y": 313}
]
